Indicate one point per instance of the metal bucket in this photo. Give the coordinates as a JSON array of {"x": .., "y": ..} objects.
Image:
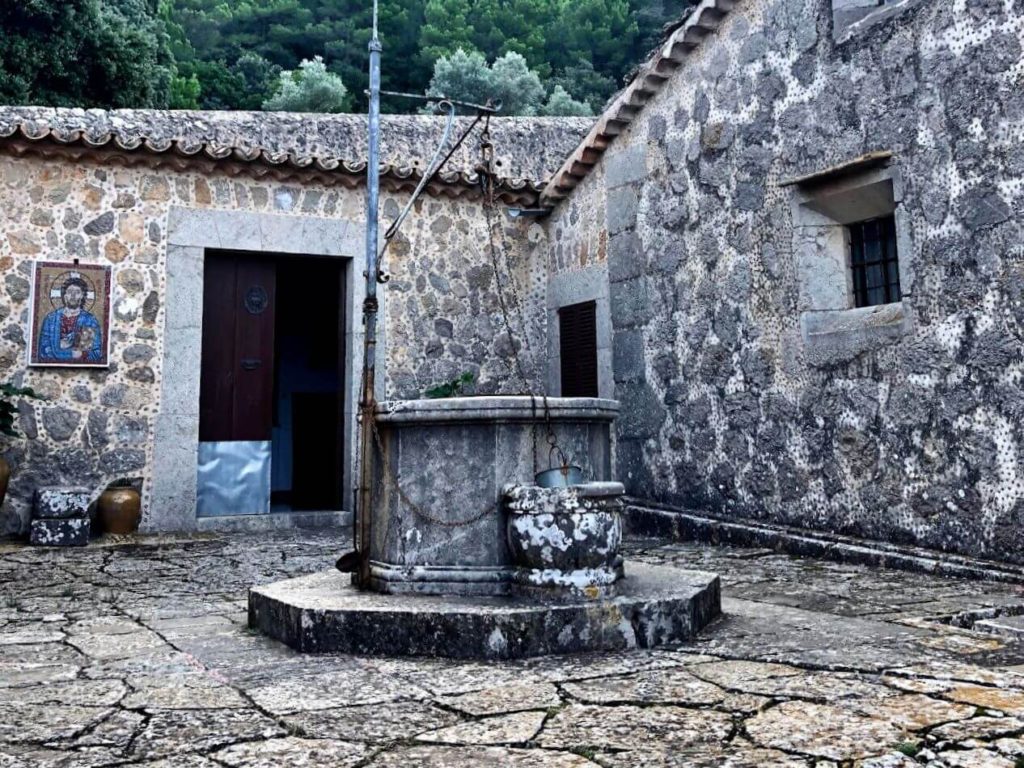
[{"x": 559, "y": 477}]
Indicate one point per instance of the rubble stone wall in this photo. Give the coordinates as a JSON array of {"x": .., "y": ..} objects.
[
  {"x": 94, "y": 426},
  {"x": 912, "y": 438}
]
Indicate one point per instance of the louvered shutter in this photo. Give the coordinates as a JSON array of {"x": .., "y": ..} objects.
[{"x": 577, "y": 326}]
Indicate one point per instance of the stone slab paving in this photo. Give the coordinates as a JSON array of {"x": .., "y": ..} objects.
[{"x": 139, "y": 654}]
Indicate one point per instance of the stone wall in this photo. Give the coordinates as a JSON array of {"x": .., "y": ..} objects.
[
  {"x": 444, "y": 314},
  {"x": 915, "y": 438},
  {"x": 441, "y": 313}
]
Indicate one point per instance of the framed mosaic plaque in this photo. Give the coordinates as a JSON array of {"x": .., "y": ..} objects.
[{"x": 69, "y": 324}]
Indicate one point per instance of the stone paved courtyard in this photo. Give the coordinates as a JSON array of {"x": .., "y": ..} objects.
[{"x": 140, "y": 655}]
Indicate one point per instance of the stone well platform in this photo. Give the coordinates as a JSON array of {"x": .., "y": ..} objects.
[{"x": 322, "y": 613}]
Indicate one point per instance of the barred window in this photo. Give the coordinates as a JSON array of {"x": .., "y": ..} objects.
[{"x": 874, "y": 262}]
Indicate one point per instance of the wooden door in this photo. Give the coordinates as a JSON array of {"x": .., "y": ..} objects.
[{"x": 237, "y": 375}]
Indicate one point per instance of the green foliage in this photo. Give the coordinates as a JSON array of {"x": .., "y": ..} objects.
[
  {"x": 561, "y": 103},
  {"x": 453, "y": 388},
  {"x": 908, "y": 748},
  {"x": 462, "y": 75},
  {"x": 84, "y": 53},
  {"x": 185, "y": 92},
  {"x": 446, "y": 30},
  {"x": 156, "y": 53},
  {"x": 466, "y": 77},
  {"x": 586, "y": 84},
  {"x": 310, "y": 88},
  {"x": 8, "y": 394}
]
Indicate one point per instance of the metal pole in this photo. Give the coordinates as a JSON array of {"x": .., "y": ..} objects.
[{"x": 364, "y": 513}]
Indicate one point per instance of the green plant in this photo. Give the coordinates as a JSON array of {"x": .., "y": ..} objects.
[
  {"x": 908, "y": 748},
  {"x": 8, "y": 394},
  {"x": 310, "y": 88},
  {"x": 1019, "y": 762},
  {"x": 452, "y": 388}
]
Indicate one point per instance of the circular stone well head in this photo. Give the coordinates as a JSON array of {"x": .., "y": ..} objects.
[{"x": 565, "y": 541}]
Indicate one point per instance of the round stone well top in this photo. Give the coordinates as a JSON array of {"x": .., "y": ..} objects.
[{"x": 496, "y": 408}]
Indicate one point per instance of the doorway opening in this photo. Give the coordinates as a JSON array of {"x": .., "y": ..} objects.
[{"x": 272, "y": 377}]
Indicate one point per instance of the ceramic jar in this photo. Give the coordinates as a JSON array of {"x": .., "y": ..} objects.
[{"x": 119, "y": 510}]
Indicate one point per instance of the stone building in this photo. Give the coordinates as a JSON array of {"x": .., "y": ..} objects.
[
  {"x": 249, "y": 200},
  {"x": 791, "y": 246}
]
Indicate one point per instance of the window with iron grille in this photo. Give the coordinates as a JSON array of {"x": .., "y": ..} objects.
[
  {"x": 577, "y": 329},
  {"x": 874, "y": 262}
]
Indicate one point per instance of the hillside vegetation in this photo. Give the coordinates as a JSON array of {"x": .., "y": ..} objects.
[{"x": 546, "y": 56}]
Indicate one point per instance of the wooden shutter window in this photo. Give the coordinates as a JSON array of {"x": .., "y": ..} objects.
[{"x": 577, "y": 330}]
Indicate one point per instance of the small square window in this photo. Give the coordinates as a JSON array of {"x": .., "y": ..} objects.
[
  {"x": 874, "y": 262},
  {"x": 577, "y": 329}
]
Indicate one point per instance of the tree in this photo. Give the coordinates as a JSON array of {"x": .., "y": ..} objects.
[
  {"x": 84, "y": 53},
  {"x": 466, "y": 77},
  {"x": 310, "y": 88},
  {"x": 185, "y": 92},
  {"x": 561, "y": 103},
  {"x": 587, "y": 84},
  {"x": 446, "y": 30},
  {"x": 518, "y": 87},
  {"x": 259, "y": 78},
  {"x": 603, "y": 32}
]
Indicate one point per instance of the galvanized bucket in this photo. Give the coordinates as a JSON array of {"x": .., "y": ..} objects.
[{"x": 559, "y": 477}]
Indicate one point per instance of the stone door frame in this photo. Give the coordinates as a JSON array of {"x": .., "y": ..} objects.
[
  {"x": 576, "y": 287},
  {"x": 190, "y": 233}
]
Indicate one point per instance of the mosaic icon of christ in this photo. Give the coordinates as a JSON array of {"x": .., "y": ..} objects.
[{"x": 71, "y": 332}]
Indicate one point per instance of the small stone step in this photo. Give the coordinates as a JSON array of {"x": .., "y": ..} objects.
[
  {"x": 1007, "y": 626},
  {"x": 61, "y": 504},
  {"x": 73, "y": 532}
]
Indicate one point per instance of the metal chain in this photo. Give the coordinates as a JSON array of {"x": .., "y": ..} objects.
[
  {"x": 489, "y": 205},
  {"x": 392, "y": 479},
  {"x": 487, "y": 187}
]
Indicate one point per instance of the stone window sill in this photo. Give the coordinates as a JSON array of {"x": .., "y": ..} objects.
[
  {"x": 847, "y": 27},
  {"x": 839, "y": 335}
]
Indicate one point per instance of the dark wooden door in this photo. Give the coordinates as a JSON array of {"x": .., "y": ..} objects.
[{"x": 237, "y": 377}]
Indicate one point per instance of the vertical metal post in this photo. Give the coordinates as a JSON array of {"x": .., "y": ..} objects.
[{"x": 364, "y": 513}]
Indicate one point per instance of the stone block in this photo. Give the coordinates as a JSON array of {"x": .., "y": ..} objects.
[
  {"x": 642, "y": 414},
  {"x": 625, "y": 257},
  {"x": 630, "y": 303},
  {"x": 622, "y": 207},
  {"x": 628, "y": 361},
  {"x": 625, "y": 167},
  {"x": 60, "y": 533},
  {"x": 61, "y": 504},
  {"x": 839, "y": 336}
]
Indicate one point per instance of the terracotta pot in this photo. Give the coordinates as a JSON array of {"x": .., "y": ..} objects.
[
  {"x": 5, "y": 476},
  {"x": 119, "y": 510}
]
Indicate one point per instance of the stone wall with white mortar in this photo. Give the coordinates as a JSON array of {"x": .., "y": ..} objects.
[
  {"x": 913, "y": 438},
  {"x": 94, "y": 426}
]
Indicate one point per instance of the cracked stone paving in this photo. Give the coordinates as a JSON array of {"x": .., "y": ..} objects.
[{"x": 139, "y": 654}]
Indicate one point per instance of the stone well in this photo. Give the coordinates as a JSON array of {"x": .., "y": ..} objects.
[
  {"x": 452, "y": 575},
  {"x": 439, "y": 524}
]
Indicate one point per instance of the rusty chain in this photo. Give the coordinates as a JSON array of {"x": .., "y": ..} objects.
[{"x": 392, "y": 479}]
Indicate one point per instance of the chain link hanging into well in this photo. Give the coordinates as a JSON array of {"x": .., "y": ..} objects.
[{"x": 485, "y": 172}]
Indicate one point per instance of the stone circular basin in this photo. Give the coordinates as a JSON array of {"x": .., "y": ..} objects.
[
  {"x": 438, "y": 525},
  {"x": 566, "y": 539}
]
